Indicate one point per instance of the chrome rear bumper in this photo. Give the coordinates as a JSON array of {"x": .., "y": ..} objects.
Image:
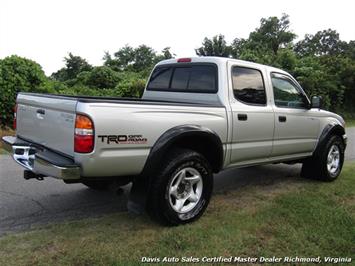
[{"x": 39, "y": 160}]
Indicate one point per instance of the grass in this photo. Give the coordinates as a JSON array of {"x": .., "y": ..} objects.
[
  {"x": 349, "y": 118},
  {"x": 5, "y": 132},
  {"x": 350, "y": 122},
  {"x": 295, "y": 217},
  {"x": 2, "y": 151}
]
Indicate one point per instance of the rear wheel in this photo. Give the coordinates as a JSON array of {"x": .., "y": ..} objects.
[
  {"x": 328, "y": 163},
  {"x": 181, "y": 191}
]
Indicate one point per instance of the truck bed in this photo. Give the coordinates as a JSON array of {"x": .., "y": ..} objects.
[
  {"x": 49, "y": 120},
  {"x": 124, "y": 100}
]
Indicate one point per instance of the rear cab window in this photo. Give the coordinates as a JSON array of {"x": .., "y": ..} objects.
[{"x": 191, "y": 77}]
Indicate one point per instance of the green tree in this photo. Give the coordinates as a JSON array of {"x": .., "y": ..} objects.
[
  {"x": 324, "y": 42},
  {"x": 286, "y": 59},
  {"x": 143, "y": 58},
  {"x": 101, "y": 77},
  {"x": 132, "y": 85},
  {"x": 269, "y": 44},
  {"x": 349, "y": 50},
  {"x": 272, "y": 34},
  {"x": 337, "y": 59},
  {"x": 73, "y": 66},
  {"x": 18, "y": 74},
  {"x": 111, "y": 62},
  {"x": 132, "y": 59},
  {"x": 167, "y": 54},
  {"x": 217, "y": 46},
  {"x": 317, "y": 79},
  {"x": 323, "y": 64},
  {"x": 238, "y": 47},
  {"x": 123, "y": 58},
  {"x": 341, "y": 71}
]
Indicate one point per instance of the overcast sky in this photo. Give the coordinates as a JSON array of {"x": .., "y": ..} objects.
[{"x": 46, "y": 31}]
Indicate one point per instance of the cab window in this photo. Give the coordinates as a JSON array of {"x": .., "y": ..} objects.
[
  {"x": 286, "y": 92},
  {"x": 248, "y": 86},
  {"x": 200, "y": 78}
]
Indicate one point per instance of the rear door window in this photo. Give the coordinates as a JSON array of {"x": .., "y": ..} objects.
[{"x": 248, "y": 86}]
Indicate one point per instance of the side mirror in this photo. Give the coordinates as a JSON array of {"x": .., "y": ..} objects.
[{"x": 316, "y": 102}]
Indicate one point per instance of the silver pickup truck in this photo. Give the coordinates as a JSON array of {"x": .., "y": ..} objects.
[{"x": 197, "y": 117}]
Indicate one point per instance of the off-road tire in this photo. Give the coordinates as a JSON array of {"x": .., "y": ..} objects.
[
  {"x": 316, "y": 166},
  {"x": 158, "y": 205}
]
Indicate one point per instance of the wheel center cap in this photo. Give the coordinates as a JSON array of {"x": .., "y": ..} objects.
[{"x": 181, "y": 188}]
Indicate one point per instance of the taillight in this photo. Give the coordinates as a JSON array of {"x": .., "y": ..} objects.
[
  {"x": 15, "y": 120},
  {"x": 84, "y": 134},
  {"x": 184, "y": 60}
]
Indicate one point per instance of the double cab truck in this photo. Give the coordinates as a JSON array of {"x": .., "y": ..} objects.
[{"x": 197, "y": 117}]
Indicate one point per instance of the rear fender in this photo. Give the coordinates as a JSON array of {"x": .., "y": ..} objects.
[{"x": 186, "y": 136}]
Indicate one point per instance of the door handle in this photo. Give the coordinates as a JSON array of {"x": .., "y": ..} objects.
[
  {"x": 242, "y": 117},
  {"x": 282, "y": 118},
  {"x": 41, "y": 111}
]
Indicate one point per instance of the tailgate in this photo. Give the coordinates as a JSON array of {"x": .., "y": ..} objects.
[{"x": 47, "y": 120}]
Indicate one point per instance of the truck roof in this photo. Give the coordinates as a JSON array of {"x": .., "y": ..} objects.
[{"x": 219, "y": 60}]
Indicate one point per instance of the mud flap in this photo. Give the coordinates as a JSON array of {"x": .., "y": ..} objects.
[{"x": 137, "y": 199}]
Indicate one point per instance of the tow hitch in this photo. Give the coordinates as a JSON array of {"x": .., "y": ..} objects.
[{"x": 27, "y": 174}]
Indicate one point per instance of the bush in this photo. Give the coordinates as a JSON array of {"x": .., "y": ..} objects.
[
  {"x": 316, "y": 79},
  {"x": 18, "y": 74},
  {"x": 101, "y": 77},
  {"x": 132, "y": 85}
]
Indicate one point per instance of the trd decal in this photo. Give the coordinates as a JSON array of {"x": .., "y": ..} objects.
[{"x": 123, "y": 139}]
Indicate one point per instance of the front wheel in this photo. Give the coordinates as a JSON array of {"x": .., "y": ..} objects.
[
  {"x": 328, "y": 163},
  {"x": 180, "y": 193}
]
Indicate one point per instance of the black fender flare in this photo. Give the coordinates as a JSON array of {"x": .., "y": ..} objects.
[
  {"x": 172, "y": 136},
  {"x": 329, "y": 130}
]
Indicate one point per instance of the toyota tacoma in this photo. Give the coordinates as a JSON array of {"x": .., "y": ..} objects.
[{"x": 197, "y": 117}]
